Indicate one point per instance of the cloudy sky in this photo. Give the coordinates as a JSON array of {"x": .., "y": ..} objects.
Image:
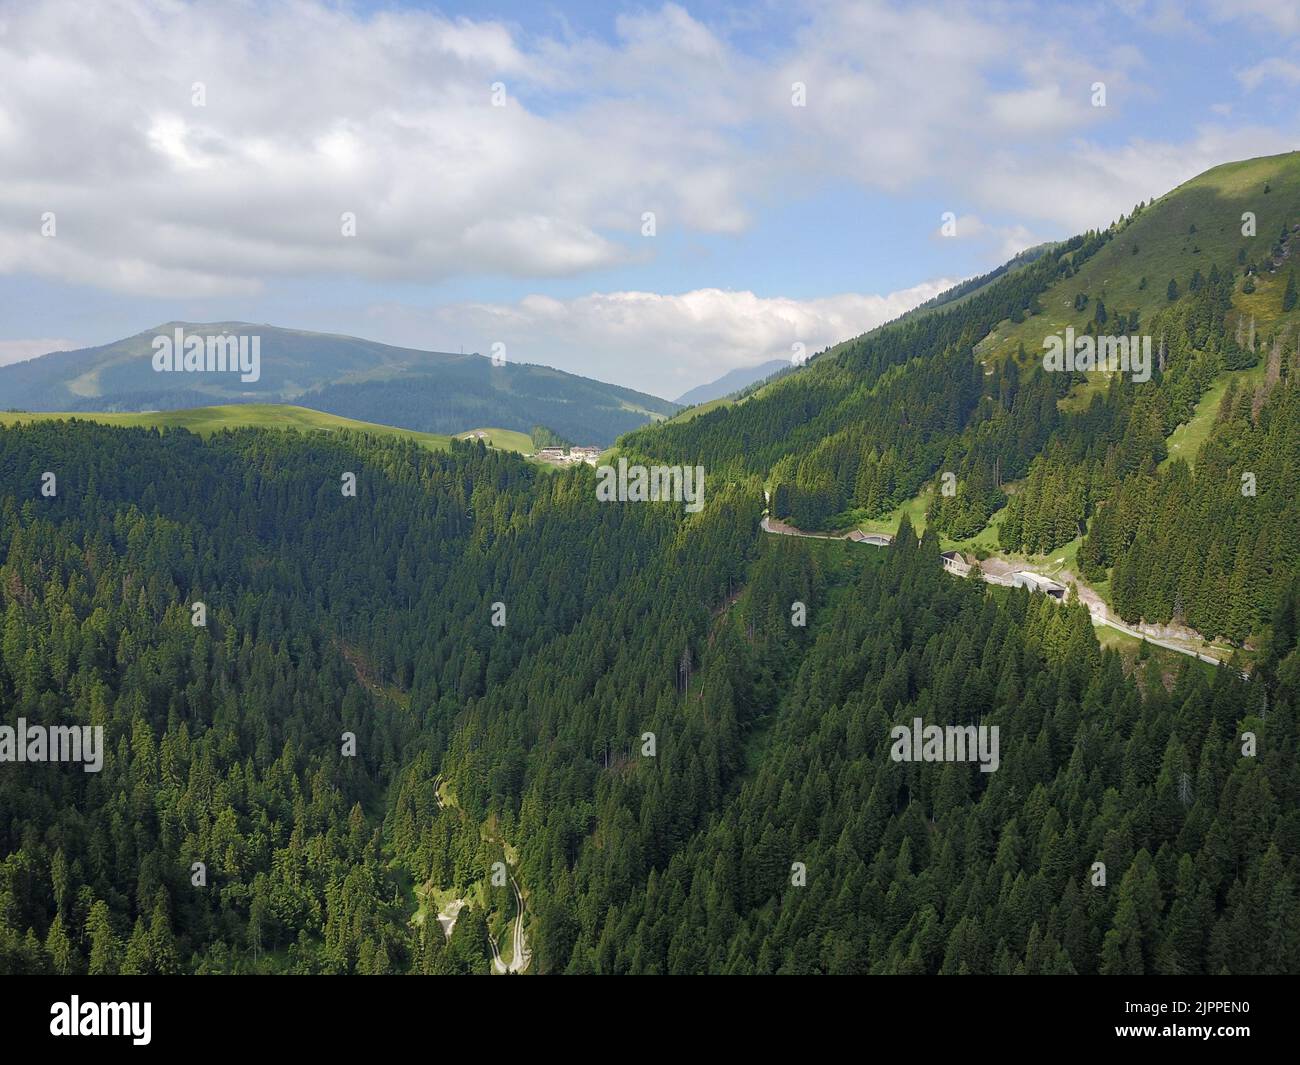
[{"x": 646, "y": 194}]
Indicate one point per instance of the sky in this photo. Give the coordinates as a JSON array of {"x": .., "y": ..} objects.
[{"x": 647, "y": 194}]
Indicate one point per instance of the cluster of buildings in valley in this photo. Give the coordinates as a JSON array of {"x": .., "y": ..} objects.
[
  {"x": 560, "y": 457},
  {"x": 556, "y": 456}
]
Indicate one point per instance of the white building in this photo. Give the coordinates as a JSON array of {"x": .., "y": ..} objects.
[
  {"x": 955, "y": 562},
  {"x": 1036, "y": 582}
]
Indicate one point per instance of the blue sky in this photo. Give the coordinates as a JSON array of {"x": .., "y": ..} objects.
[{"x": 774, "y": 224}]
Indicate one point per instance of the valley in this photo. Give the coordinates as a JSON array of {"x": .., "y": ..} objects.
[
  {"x": 649, "y": 489},
  {"x": 495, "y": 627}
]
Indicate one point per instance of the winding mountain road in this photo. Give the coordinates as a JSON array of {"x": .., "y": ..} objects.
[
  {"x": 520, "y": 955},
  {"x": 1101, "y": 613}
]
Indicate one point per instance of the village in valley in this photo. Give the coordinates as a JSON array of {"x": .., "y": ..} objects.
[
  {"x": 553, "y": 456},
  {"x": 558, "y": 456}
]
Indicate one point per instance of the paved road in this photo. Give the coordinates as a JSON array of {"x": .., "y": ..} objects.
[
  {"x": 790, "y": 530},
  {"x": 497, "y": 964},
  {"x": 520, "y": 948},
  {"x": 1101, "y": 614},
  {"x": 520, "y": 955},
  {"x": 1107, "y": 618}
]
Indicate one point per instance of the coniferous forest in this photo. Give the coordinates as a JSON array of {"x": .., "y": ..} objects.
[
  {"x": 377, "y": 709},
  {"x": 371, "y": 615},
  {"x": 369, "y": 607}
]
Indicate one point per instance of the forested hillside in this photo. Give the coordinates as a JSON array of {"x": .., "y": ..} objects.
[
  {"x": 869, "y": 425},
  {"x": 672, "y": 730},
  {"x": 325, "y": 614},
  {"x": 1098, "y": 462},
  {"x": 939, "y": 868},
  {"x": 372, "y": 615}
]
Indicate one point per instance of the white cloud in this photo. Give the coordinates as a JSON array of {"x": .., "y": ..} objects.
[
  {"x": 1041, "y": 109},
  {"x": 1267, "y": 16},
  {"x": 661, "y": 344},
  {"x": 963, "y": 227},
  {"x": 1270, "y": 72},
  {"x": 1091, "y": 184},
  {"x": 12, "y": 351},
  {"x": 1010, "y": 240},
  {"x": 1163, "y": 16},
  {"x": 313, "y": 110}
]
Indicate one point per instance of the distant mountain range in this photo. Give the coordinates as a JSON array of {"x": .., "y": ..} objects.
[
  {"x": 428, "y": 391},
  {"x": 731, "y": 382}
]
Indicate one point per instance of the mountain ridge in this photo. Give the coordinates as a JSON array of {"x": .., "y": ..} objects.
[
  {"x": 426, "y": 391},
  {"x": 730, "y": 382},
  {"x": 1062, "y": 467}
]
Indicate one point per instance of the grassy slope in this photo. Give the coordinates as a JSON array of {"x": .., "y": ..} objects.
[
  {"x": 700, "y": 408},
  {"x": 1186, "y": 440},
  {"x": 1160, "y": 665},
  {"x": 1214, "y": 203},
  {"x": 206, "y": 420},
  {"x": 503, "y": 439}
]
